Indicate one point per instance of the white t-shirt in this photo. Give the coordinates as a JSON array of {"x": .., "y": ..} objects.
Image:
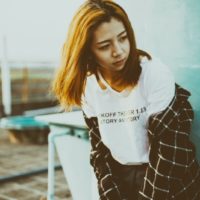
[{"x": 123, "y": 116}]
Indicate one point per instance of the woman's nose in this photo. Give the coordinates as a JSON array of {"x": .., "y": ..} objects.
[{"x": 117, "y": 50}]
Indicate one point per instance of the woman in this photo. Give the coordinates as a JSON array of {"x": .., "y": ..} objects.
[{"x": 139, "y": 120}]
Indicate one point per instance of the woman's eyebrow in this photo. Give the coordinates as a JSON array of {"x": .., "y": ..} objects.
[{"x": 104, "y": 41}]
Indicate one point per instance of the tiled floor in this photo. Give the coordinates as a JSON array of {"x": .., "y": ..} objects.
[{"x": 20, "y": 158}]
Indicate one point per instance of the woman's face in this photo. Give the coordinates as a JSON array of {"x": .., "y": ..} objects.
[{"x": 110, "y": 45}]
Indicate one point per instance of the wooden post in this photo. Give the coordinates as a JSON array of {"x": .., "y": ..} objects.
[
  {"x": 25, "y": 86},
  {"x": 6, "y": 83}
]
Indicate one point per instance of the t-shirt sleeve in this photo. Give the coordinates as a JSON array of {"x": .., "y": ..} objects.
[
  {"x": 87, "y": 101},
  {"x": 87, "y": 107},
  {"x": 159, "y": 86}
]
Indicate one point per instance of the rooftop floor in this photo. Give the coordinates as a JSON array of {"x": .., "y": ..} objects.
[{"x": 20, "y": 158}]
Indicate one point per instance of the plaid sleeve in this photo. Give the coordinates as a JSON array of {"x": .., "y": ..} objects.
[
  {"x": 99, "y": 159},
  {"x": 173, "y": 169}
]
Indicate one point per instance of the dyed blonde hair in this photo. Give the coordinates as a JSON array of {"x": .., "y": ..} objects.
[{"x": 77, "y": 61}]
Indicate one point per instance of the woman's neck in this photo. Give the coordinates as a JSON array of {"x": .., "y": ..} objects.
[{"x": 110, "y": 78}]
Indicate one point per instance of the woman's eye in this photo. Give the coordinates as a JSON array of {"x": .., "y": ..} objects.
[
  {"x": 104, "y": 47},
  {"x": 123, "y": 38}
]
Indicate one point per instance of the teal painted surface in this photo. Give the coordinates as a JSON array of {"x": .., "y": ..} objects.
[
  {"x": 189, "y": 78},
  {"x": 22, "y": 123},
  {"x": 167, "y": 29}
]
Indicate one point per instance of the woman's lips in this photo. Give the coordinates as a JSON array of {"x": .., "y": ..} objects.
[{"x": 120, "y": 62}]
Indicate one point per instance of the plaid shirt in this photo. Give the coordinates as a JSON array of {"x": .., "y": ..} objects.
[{"x": 173, "y": 172}]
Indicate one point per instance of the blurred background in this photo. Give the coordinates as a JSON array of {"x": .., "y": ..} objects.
[
  {"x": 31, "y": 37},
  {"x": 32, "y": 34}
]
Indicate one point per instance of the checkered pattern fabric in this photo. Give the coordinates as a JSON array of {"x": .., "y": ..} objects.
[
  {"x": 173, "y": 172},
  {"x": 100, "y": 160}
]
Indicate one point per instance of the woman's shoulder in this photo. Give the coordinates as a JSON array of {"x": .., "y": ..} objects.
[
  {"x": 156, "y": 75},
  {"x": 154, "y": 61},
  {"x": 158, "y": 84},
  {"x": 154, "y": 67}
]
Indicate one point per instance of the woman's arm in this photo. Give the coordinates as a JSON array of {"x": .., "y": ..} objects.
[
  {"x": 99, "y": 159},
  {"x": 173, "y": 170}
]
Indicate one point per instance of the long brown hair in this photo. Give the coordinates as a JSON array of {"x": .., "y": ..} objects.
[{"x": 69, "y": 82}]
